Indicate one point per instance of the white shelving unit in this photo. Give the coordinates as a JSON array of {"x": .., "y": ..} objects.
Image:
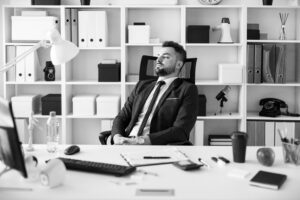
[{"x": 80, "y": 76}]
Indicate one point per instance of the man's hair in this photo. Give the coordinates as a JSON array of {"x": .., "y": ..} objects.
[{"x": 178, "y": 49}]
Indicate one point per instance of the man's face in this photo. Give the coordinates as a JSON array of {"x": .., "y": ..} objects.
[{"x": 167, "y": 62}]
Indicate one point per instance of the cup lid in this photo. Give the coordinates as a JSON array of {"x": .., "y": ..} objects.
[{"x": 238, "y": 134}]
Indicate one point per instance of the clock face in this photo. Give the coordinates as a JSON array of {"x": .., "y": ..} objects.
[{"x": 210, "y": 2}]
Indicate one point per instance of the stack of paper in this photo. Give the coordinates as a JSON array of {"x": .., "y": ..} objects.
[{"x": 161, "y": 156}]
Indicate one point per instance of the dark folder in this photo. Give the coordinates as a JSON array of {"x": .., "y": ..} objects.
[{"x": 268, "y": 180}]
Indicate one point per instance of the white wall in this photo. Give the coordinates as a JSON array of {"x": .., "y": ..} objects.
[{"x": 2, "y": 2}]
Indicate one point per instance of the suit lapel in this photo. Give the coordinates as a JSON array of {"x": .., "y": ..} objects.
[
  {"x": 175, "y": 84},
  {"x": 141, "y": 102}
]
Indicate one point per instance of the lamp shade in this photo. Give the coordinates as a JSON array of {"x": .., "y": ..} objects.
[{"x": 61, "y": 51}]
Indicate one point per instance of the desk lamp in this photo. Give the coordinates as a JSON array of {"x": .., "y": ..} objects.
[{"x": 61, "y": 51}]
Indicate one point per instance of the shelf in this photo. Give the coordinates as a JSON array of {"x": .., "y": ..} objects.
[
  {"x": 274, "y": 41},
  {"x": 34, "y": 83},
  {"x": 71, "y": 116},
  {"x": 273, "y": 84},
  {"x": 91, "y": 83},
  {"x": 131, "y": 83},
  {"x": 100, "y": 48},
  {"x": 213, "y": 45},
  {"x": 213, "y": 82},
  {"x": 143, "y": 44},
  {"x": 273, "y": 7},
  {"x": 255, "y": 116},
  {"x": 20, "y": 43},
  {"x": 233, "y": 116},
  {"x": 214, "y": 6}
]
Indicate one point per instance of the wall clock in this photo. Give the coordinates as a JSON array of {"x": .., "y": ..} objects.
[{"x": 210, "y": 2}]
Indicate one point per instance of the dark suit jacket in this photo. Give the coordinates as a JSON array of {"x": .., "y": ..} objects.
[{"x": 173, "y": 118}]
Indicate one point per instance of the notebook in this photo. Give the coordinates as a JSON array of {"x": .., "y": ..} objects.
[
  {"x": 268, "y": 180},
  {"x": 136, "y": 158}
]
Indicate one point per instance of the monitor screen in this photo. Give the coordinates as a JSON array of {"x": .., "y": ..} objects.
[{"x": 10, "y": 146}]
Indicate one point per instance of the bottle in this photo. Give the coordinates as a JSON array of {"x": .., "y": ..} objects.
[{"x": 52, "y": 133}]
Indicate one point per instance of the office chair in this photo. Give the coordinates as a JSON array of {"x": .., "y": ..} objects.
[{"x": 147, "y": 72}]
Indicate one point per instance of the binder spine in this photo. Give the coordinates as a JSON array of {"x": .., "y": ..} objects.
[
  {"x": 74, "y": 26},
  {"x": 258, "y": 63},
  {"x": 250, "y": 63}
]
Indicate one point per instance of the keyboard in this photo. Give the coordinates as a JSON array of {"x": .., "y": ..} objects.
[{"x": 97, "y": 167}]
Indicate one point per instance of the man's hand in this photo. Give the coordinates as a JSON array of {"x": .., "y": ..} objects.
[{"x": 141, "y": 140}]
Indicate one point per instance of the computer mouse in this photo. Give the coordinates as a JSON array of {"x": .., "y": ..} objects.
[{"x": 72, "y": 150}]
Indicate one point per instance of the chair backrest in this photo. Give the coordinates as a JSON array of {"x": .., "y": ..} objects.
[{"x": 148, "y": 63}]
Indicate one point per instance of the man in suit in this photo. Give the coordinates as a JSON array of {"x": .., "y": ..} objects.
[{"x": 172, "y": 102}]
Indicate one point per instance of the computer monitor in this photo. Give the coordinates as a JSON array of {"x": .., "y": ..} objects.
[{"x": 10, "y": 146}]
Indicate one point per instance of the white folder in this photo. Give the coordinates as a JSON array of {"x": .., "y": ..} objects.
[
  {"x": 10, "y": 55},
  {"x": 100, "y": 34},
  {"x": 26, "y": 69},
  {"x": 92, "y": 29},
  {"x": 20, "y": 66},
  {"x": 83, "y": 28},
  {"x": 32, "y": 65}
]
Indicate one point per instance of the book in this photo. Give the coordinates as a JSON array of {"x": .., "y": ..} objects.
[
  {"x": 137, "y": 159},
  {"x": 268, "y": 180}
]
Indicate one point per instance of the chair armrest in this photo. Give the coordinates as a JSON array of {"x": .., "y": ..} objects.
[{"x": 103, "y": 136}]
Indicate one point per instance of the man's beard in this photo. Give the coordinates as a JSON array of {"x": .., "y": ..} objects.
[{"x": 164, "y": 71}]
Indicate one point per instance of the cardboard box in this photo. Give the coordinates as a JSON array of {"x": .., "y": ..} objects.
[
  {"x": 230, "y": 73},
  {"x": 109, "y": 72},
  {"x": 51, "y": 102},
  {"x": 23, "y": 105},
  {"x": 138, "y": 34},
  {"x": 84, "y": 105},
  {"x": 30, "y": 28},
  {"x": 108, "y": 105}
]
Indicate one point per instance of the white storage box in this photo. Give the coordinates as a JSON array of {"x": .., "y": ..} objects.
[
  {"x": 84, "y": 105},
  {"x": 230, "y": 73},
  {"x": 25, "y": 104},
  {"x": 32, "y": 28},
  {"x": 139, "y": 34},
  {"x": 108, "y": 106}
]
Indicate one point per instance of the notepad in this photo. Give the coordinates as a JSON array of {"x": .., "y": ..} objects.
[
  {"x": 268, "y": 180},
  {"x": 136, "y": 158}
]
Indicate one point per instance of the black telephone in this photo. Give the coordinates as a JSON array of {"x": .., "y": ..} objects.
[{"x": 271, "y": 108}]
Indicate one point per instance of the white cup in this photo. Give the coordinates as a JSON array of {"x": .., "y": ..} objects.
[{"x": 53, "y": 174}]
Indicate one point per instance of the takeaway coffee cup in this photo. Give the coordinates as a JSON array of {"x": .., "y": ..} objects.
[
  {"x": 239, "y": 144},
  {"x": 267, "y": 2},
  {"x": 85, "y": 2}
]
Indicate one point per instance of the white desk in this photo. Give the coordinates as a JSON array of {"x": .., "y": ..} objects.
[{"x": 213, "y": 183}]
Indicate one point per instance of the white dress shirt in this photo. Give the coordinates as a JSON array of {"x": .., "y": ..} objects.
[{"x": 163, "y": 89}]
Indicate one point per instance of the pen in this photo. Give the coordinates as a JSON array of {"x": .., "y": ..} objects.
[
  {"x": 200, "y": 160},
  {"x": 218, "y": 161},
  {"x": 146, "y": 172},
  {"x": 224, "y": 159},
  {"x": 156, "y": 157},
  {"x": 15, "y": 188}
]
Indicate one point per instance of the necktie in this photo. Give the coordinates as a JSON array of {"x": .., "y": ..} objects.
[{"x": 155, "y": 95}]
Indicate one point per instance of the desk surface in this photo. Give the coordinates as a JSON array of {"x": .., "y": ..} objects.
[{"x": 206, "y": 183}]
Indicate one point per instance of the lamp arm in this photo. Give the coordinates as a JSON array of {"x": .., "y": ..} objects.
[{"x": 7, "y": 66}]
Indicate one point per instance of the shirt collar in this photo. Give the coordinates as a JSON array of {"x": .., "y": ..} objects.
[{"x": 168, "y": 81}]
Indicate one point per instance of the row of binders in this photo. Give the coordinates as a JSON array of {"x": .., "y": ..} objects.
[
  {"x": 86, "y": 29},
  {"x": 265, "y": 133},
  {"x": 266, "y": 63},
  {"x": 26, "y": 70}
]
